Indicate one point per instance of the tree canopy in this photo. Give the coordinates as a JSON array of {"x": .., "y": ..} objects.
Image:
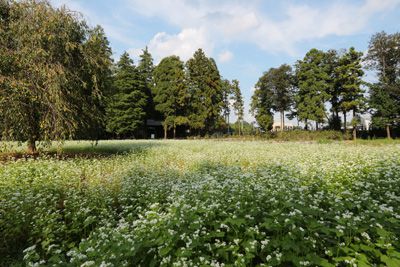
[
  {"x": 384, "y": 57},
  {"x": 206, "y": 92},
  {"x": 126, "y": 108},
  {"x": 170, "y": 92},
  {"x": 53, "y": 71}
]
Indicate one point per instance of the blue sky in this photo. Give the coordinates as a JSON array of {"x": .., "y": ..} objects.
[{"x": 245, "y": 37}]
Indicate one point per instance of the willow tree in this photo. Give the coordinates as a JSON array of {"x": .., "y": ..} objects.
[{"x": 53, "y": 70}]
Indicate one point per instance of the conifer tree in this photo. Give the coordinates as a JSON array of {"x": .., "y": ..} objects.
[
  {"x": 146, "y": 68},
  {"x": 206, "y": 92},
  {"x": 348, "y": 77},
  {"x": 312, "y": 81},
  {"x": 226, "y": 97},
  {"x": 384, "y": 57},
  {"x": 238, "y": 105},
  {"x": 126, "y": 108},
  {"x": 170, "y": 93},
  {"x": 262, "y": 102}
]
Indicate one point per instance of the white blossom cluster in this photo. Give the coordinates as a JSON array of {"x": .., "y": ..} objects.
[{"x": 206, "y": 203}]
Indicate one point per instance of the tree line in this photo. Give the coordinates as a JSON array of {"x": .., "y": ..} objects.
[
  {"x": 58, "y": 81},
  {"x": 334, "y": 79},
  {"x": 191, "y": 94}
]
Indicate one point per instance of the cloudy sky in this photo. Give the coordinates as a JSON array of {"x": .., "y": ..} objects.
[{"x": 245, "y": 37}]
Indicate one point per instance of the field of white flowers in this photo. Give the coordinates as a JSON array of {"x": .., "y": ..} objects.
[{"x": 203, "y": 203}]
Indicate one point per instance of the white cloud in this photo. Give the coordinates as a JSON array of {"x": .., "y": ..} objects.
[
  {"x": 183, "y": 44},
  {"x": 225, "y": 56},
  {"x": 227, "y": 21},
  {"x": 115, "y": 27}
]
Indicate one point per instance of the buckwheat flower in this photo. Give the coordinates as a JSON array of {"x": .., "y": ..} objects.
[
  {"x": 88, "y": 263},
  {"x": 278, "y": 256},
  {"x": 365, "y": 235}
]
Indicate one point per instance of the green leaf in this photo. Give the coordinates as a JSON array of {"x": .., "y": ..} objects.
[{"x": 390, "y": 262}]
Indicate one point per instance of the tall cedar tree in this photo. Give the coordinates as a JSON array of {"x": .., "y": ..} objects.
[
  {"x": 238, "y": 105},
  {"x": 226, "y": 97},
  {"x": 262, "y": 102},
  {"x": 53, "y": 69},
  {"x": 282, "y": 82},
  {"x": 170, "y": 92},
  {"x": 349, "y": 80},
  {"x": 334, "y": 89},
  {"x": 146, "y": 68},
  {"x": 312, "y": 80},
  {"x": 384, "y": 57},
  {"x": 126, "y": 108},
  {"x": 206, "y": 92}
]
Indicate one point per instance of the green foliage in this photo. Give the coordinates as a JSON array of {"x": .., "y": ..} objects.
[
  {"x": 301, "y": 135},
  {"x": 238, "y": 104},
  {"x": 312, "y": 80},
  {"x": 262, "y": 102},
  {"x": 126, "y": 107},
  {"x": 176, "y": 203},
  {"x": 226, "y": 97},
  {"x": 53, "y": 71},
  {"x": 383, "y": 56},
  {"x": 170, "y": 92},
  {"x": 273, "y": 92},
  {"x": 146, "y": 68},
  {"x": 206, "y": 92}
]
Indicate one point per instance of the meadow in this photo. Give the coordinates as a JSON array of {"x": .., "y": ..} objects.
[{"x": 202, "y": 203}]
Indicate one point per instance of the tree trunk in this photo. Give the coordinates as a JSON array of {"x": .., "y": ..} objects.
[
  {"x": 344, "y": 122},
  {"x": 282, "y": 120},
  {"x": 388, "y": 131},
  {"x": 174, "y": 130},
  {"x": 316, "y": 125},
  {"x": 229, "y": 130},
  {"x": 165, "y": 131},
  {"x": 306, "y": 123},
  {"x": 31, "y": 146},
  {"x": 354, "y": 126}
]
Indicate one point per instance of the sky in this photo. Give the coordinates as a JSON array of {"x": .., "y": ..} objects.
[{"x": 245, "y": 37}]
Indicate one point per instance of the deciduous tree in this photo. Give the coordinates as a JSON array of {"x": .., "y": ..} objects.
[{"x": 53, "y": 72}]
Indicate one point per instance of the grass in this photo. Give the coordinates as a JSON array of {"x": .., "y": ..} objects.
[{"x": 203, "y": 203}]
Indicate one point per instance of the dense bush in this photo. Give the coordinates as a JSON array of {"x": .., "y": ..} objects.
[{"x": 201, "y": 203}]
